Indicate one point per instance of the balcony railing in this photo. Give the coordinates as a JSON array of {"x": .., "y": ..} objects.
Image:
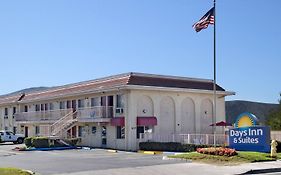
[
  {"x": 39, "y": 116},
  {"x": 95, "y": 112}
]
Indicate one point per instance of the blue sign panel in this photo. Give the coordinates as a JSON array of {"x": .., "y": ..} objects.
[{"x": 255, "y": 138}]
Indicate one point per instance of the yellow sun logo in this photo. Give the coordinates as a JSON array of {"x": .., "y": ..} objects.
[{"x": 246, "y": 120}]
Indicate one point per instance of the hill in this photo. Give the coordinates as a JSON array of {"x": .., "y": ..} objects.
[
  {"x": 27, "y": 90},
  {"x": 260, "y": 110}
]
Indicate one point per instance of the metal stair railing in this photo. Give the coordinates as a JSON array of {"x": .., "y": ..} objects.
[{"x": 63, "y": 123}]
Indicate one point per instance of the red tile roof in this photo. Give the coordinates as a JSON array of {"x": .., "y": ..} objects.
[{"x": 111, "y": 82}]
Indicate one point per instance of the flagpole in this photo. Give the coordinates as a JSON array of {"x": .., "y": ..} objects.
[{"x": 214, "y": 82}]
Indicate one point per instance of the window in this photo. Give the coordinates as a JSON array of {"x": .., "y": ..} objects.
[
  {"x": 25, "y": 108},
  {"x": 81, "y": 103},
  {"x": 9, "y": 133},
  {"x": 14, "y": 110},
  {"x": 144, "y": 129},
  {"x": 68, "y": 104},
  {"x": 37, "y": 130},
  {"x": 6, "y": 111},
  {"x": 6, "y": 128},
  {"x": 120, "y": 131},
  {"x": 95, "y": 101},
  {"x": 120, "y": 101},
  {"x": 94, "y": 129},
  {"x": 42, "y": 107},
  {"x": 15, "y": 129},
  {"x": 80, "y": 131},
  {"x": 46, "y": 107},
  {"x": 37, "y": 107},
  {"x": 140, "y": 129},
  {"x": 62, "y": 104},
  {"x": 51, "y": 106}
]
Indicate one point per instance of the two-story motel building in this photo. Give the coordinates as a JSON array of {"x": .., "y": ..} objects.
[{"x": 112, "y": 112}]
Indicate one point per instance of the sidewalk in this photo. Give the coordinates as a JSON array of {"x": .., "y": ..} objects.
[{"x": 187, "y": 168}]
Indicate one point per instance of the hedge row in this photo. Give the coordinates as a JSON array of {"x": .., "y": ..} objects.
[
  {"x": 40, "y": 142},
  {"x": 169, "y": 146},
  {"x": 178, "y": 147}
]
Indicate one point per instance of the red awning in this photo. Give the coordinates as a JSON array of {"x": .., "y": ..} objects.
[
  {"x": 118, "y": 121},
  {"x": 146, "y": 121}
]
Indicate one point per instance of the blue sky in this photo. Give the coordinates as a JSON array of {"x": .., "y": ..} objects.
[{"x": 56, "y": 42}]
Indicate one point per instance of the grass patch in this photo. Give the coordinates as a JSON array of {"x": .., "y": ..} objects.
[
  {"x": 13, "y": 171},
  {"x": 242, "y": 157},
  {"x": 278, "y": 155}
]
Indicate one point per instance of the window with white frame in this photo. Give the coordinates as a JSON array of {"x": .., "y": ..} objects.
[
  {"x": 37, "y": 107},
  {"x": 95, "y": 101},
  {"x": 46, "y": 106},
  {"x": 62, "y": 104},
  {"x": 120, "y": 132},
  {"x": 37, "y": 130},
  {"x": 51, "y": 105},
  {"x": 68, "y": 104},
  {"x": 144, "y": 129},
  {"x": 81, "y": 103},
  {"x": 80, "y": 131},
  {"x": 120, "y": 101},
  {"x": 119, "y": 104}
]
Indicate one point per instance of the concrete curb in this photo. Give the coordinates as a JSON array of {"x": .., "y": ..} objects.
[
  {"x": 112, "y": 151},
  {"x": 51, "y": 149},
  {"x": 29, "y": 171},
  {"x": 150, "y": 152}
]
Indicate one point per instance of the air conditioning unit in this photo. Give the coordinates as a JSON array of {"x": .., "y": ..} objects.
[{"x": 119, "y": 111}]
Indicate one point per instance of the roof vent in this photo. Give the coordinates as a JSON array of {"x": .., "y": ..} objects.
[{"x": 22, "y": 96}]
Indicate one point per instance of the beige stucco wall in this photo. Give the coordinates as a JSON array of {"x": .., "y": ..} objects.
[
  {"x": 167, "y": 107},
  {"x": 177, "y": 112}
]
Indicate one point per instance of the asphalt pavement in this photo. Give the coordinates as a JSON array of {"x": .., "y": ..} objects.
[{"x": 102, "y": 162}]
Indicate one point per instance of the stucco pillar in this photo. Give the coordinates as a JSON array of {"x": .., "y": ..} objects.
[
  {"x": 177, "y": 116},
  {"x": 130, "y": 122},
  {"x": 197, "y": 103}
]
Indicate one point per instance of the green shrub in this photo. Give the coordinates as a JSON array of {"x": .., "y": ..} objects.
[
  {"x": 28, "y": 142},
  {"x": 40, "y": 142},
  {"x": 169, "y": 146}
]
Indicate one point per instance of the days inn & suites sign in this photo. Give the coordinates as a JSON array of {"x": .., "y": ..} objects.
[{"x": 247, "y": 136}]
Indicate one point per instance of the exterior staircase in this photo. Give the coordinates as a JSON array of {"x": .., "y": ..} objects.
[{"x": 60, "y": 127}]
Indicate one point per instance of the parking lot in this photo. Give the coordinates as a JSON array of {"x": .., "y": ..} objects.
[{"x": 69, "y": 161}]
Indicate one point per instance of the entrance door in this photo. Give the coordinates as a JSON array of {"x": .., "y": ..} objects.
[
  {"x": 73, "y": 102},
  {"x": 103, "y": 106},
  {"x": 103, "y": 136},
  {"x": 109, "y": 106},
  {"x": 26, "y": 131}
]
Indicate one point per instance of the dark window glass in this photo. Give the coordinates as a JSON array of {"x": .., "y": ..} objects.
[
  {"x": 140, "y": 129},
  {"x": 6, "y": 111}
]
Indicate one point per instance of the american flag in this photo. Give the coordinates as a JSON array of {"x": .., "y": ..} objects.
[{"x": 203, "y": 23}]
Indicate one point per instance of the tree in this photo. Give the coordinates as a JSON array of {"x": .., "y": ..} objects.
[{"x": 274, "y": 119}]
